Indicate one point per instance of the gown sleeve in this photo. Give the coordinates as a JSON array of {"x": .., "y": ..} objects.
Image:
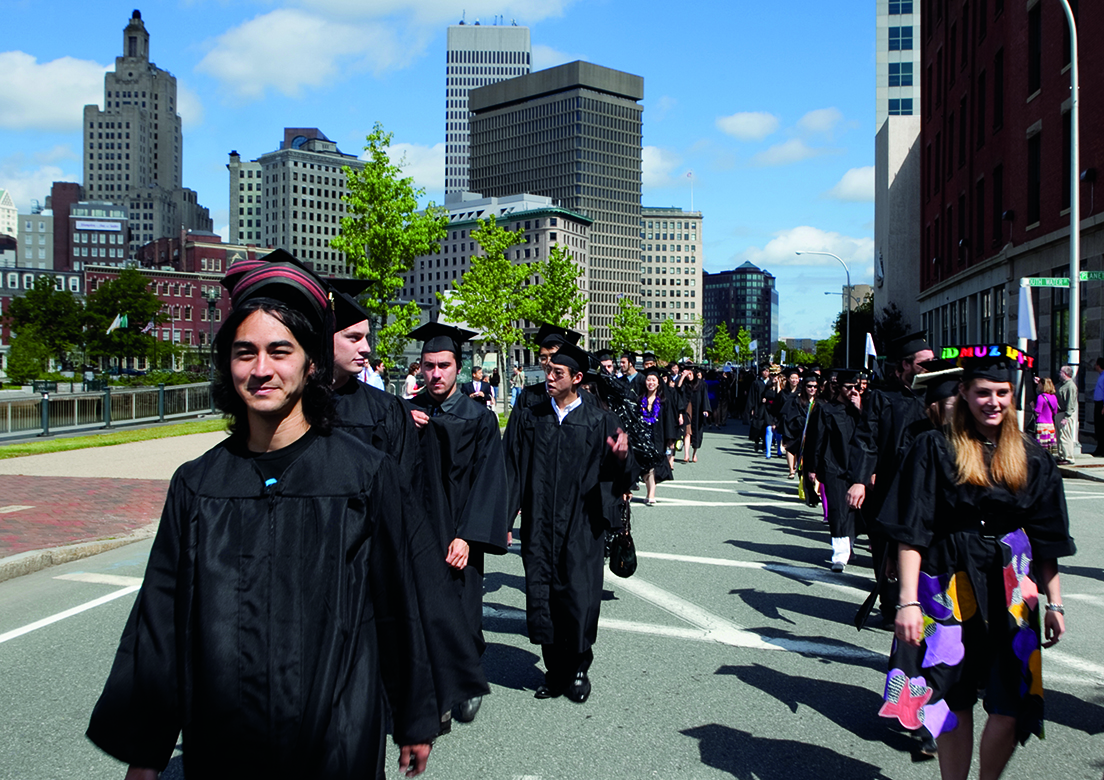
[
  {"x": 484, "y": 519},
  {"x": 908, "y": 514},
  {"x": 138, "y": 716},
  {"x": 403, "y": 658},
  {"x": 511, "y": 445},
  {"x": 863, "y": 457},
  {"x": 1048, "y": 526}
]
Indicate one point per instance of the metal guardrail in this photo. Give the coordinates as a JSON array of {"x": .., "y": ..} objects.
[{"x": 114, "y": 406}]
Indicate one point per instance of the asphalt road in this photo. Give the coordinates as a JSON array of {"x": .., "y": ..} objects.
[{"x": 729, "y": 654}]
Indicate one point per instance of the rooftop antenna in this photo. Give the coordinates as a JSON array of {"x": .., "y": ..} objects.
[{"x": 463, "y": 15}]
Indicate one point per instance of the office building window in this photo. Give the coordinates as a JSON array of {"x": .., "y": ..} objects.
[
  {"x": 900, "y": 106},
  {"x": 900, "y": 38},
  {"x": 897, "y": 7},
  {"x": 900, "y": 74}
]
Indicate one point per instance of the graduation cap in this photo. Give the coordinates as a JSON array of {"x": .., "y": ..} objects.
[
  {"x": 809, "y": 376},
  {"x": 846, "y": 376},
  {"x": 905, "y": 346},
  {"x": 940, "y": 380},
  {"x": 347, "y": 309},
  {"x": 288, "y": 283},
  {"x": 787, "y": 372},
  {"x": 630, "y": 356},
  {"x": 572, "y": 357},
  {"x": 438, "y": 337},
  {"x": 648, "y": 357},
  {"x": 995, "y": 369},
  {"x": 603, "y": 354},
  {"x": 652, "y": 371},
  {"x": 555, "y": 336}
]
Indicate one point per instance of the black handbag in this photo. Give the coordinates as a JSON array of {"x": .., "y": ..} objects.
[{"x": 622, "y": 550}]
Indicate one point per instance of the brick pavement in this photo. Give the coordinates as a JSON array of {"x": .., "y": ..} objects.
[{"x": 67, "y": 510}]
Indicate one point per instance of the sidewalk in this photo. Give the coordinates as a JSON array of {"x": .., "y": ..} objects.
[{"x": 69, "y": 505}]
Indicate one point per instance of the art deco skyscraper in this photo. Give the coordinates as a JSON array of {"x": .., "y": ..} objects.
[
  {"x": 133, "y": 147},
  {"x": 478, "y": 55}
]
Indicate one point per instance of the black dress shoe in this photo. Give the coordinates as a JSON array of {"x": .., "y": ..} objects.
[
  {"x": 466, "y": 710},
  {"x": 579, "y": 690},
  {"x": 547, "y": 692}
]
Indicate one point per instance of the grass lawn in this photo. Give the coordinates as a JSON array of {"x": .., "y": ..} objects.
[{"x": 20, "y": 449}]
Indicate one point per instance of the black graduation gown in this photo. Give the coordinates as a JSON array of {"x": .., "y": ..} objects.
[
  {"x": 756, "y": 410},
  {"x": 568, "y": 486},
  {"x": 267, "y": 620},
  {"x": 381, "y": 420},
  {"x": 664, "y": 429},
  {"x": 827, "y": 450},
  {"x": 462, "y": 453},
  {"x": 879, "y": 442},
  {"x": 795, "y": 412},
  {"x": 976, "y": 586},
  {"x": 697, "y": 404}
]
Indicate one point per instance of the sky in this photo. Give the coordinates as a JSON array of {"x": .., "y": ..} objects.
[{"x": 769, "y": 106}]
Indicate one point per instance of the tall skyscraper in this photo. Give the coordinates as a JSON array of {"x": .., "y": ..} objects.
[
  {"x": 290, "y": 198},
  {"x": 897, "y": 157},
  {"x": 572, "y": 133},
  {"x": 744, "y": 297},
  {"x": 671, "y": 261},
  {"x": 478, "y": 55},
  {"x": 133, "y": 148}
]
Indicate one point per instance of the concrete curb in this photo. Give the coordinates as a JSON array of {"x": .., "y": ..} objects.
[
  {"x": 1091, "y": 473},
  {"x": 36, "y": 560}
]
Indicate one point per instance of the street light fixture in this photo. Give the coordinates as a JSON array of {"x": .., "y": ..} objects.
[
  {"x": 212, "y": 303},
  {"x": 847, "y": 325}
]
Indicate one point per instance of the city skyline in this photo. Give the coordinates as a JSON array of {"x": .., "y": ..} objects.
[{"x": 780, "y": 144}]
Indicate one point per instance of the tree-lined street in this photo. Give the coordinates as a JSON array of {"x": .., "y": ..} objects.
[{"x": 730, "y": 653}]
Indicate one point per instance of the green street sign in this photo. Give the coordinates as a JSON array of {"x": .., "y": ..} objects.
[
  {"x": 1091, "y": 276},
  {"x": 1047, "y": 281}
]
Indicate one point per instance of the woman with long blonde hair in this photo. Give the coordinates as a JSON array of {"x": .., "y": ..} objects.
[{"x": 979, "y": 514}]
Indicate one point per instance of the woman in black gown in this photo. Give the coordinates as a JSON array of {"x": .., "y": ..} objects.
[
  {"x": 697, "y": 412},
  {"x": 979, "y": 513},
  {"x": 661, "y": 418}
]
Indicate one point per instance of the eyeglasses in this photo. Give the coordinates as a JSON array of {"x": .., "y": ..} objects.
[{"x": 850, "y": 388}]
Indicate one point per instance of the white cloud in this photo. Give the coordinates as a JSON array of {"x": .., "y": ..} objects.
[
  {"x": 748, "y": 125},
  {"x": 782, "y": 250},
  {"x": 29, "y": 179},
  {"x": 786, "y": 153},
  {"x": 56, "y": 153},
  {"x": 662, "y": 107},
  {"x": 547, "y": 57},
  {"x": 437, "y": 12},
  {"x": 188, "y": 105},
  {"x": 856, "y": 186},
  {"x": 49, "y": 95},
  {"x": 821, "y": 120},
  {"x": 312, "y": 52},
  {"x": 657, "y": 165},
  {"x": 425, "y": 164}
]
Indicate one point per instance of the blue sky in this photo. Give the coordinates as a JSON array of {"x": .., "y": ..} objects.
[{"x": 770, "y": 105}]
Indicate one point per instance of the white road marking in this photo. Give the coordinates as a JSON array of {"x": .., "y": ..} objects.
[
  {"x": 1084, "y": 498},
  {"x": 665, "y": 501},
  {"x": 823, "y": 577},
  {"x": 67, "y": 613},
  {"x": 100, "y": 579},
  {"x": 1090, "y": 598},
  {"x": 699, "y": 487},
  {"x": 13, "y": 508}
]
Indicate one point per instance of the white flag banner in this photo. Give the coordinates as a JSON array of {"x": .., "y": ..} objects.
[
  {"x": 782, "y": 357},
  {"x": 870, "y": 346},
  {"x": 1026, "y": 323},
  {"x": 115, "y": 323},
  {"x": 754, "y": 345}
]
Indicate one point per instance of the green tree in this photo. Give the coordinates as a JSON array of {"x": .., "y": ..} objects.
[
  {"x": 382, "y": 234},
  {"x": 629, "y": 331},
  {"x": 55, "y": 315},
  {"x": 743, "y": 346},
  {"x": 491, "y": 297},
  {"x": 669, "y": 345},
  {"x": 799, "y": 357},
  {"x": 826, "y": 351},
  {"x": 557, "y": 299},
  {"x": 723, "y": 347},
  {"x": 127, "y": 294},
  {"x": 28, "y": 356}
]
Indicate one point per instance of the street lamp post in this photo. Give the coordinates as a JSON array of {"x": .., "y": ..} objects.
[
  {"x": 212, "y": 303},
  {"x": 1074, "y": 357},
  {"x": 847, "y": 325}
]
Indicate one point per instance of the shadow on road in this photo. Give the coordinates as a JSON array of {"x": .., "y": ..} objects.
[
  {"x": 850, "y": 706},
  {"x": 496, "y": 580},
  {"x": 1073, "y": 712},
  {"x": 1083, "y": 571},
  {"x": 748, "y": 757},
  {"x": 769, "y": 605},
  {"x": 789, "y": 553},
  {"x": 512, "y": 667}
]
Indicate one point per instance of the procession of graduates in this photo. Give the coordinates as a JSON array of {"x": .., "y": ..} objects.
[
  {"x": 965, "y": 517},
  {"x": 316, "y": 579}
]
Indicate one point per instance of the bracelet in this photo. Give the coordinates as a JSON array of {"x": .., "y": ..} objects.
[
  {"x": 908, "y": 604},
  {"x": 1056, "y": 608}
]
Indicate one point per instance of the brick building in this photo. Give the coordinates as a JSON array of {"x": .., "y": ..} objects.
[{"x": 995, "y": 171}]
